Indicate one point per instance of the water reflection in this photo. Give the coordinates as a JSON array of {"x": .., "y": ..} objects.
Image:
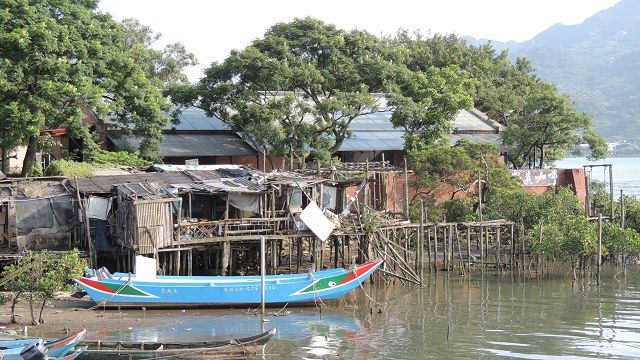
[{"x": 489, "y": 316}]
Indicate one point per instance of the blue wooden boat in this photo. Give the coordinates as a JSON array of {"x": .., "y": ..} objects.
[
  {"x": 209, "y": 291},
  {"x": 10, "y": 349}
]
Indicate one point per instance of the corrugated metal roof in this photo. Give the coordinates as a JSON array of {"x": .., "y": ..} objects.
[
  {"x": 192, "y": 145},
  {"x": 193, "y": 118},
  {"x": 475, "y": 138},
  {"x": 374, "y": 121},
  {"x": 374, "y": 140},
  {"x": 374, "y": 132},
  {"x": 468, "y": 121}
]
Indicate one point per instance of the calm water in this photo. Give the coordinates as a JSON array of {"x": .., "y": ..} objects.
[
  {"x": 626, "y": 172},
  {"x": 486, "y": 316}
]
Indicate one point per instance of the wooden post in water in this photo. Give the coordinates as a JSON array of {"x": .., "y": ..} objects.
[
  {"x": 513, "y": 248},
  {"x": 450, "y": 257},
  {"x": 498, "y": 231},
  {"x": 444, "y": 248},
  {"x": 621, "y": 209},
  {"x": 599, "y": 257},
  {"x": 480, "y": 215},
  {"x": 469, "y": 249},
  {"x": 435, "y": 247},
  {"x": 611, "y": 190},
  {"x": 263, "y": 274},
  {"x": 428, "y": 243},
  {"x": 420, "y": 240}
]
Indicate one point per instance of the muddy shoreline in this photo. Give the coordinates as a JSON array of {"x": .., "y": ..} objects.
[{"x": 65, "y": 314}]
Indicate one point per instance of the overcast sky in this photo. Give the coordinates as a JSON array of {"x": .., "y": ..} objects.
[{"x": 210, "y": 29}]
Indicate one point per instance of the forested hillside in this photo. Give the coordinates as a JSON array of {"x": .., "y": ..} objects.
[{"x": 597, "y": 63}]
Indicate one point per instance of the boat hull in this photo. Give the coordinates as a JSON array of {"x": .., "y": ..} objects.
[
  {"x": 226, "y": 291},
  {"x": 225, "y": 349}
]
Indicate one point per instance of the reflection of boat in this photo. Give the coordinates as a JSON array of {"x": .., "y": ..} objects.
[
  {"x": 223, "y": 349},
  {"x": 173, "y": 291},
  {"x": 56, "y": 349}
]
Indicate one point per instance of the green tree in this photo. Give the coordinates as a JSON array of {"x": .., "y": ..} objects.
[
  {"x": 546, "y": 128},
  {"x": 58, "y": 57},
  {"x": 165, "y": 66},
  {"x": 542, "y": 125},
  {"x": 296, "y": 91},
  {"x": 38, "y": 276}
]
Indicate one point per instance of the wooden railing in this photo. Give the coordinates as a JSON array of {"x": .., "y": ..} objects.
[{"x": 230, "y": 228}]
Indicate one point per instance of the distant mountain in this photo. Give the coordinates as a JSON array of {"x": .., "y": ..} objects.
[{"x": 597, "y": 63}]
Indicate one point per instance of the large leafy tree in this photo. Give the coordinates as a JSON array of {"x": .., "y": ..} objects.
[
  {"x": 296, "y": 91},
  {"x": 58, "y": 57},
  {"x": 163, "y": 66},
  {"x": 546, "y": 127},
  {"x": 542, "y": 124}
]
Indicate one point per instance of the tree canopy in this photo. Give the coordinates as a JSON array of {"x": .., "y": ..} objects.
[
  {"x": 542, "y": 124},
  {"x": 296, "y": 91},
  {"x": 59, "y": 57}
]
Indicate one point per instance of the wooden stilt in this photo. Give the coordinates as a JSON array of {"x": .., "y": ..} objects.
[
  {"x": 190, "y": 263},
  {"x": 226, "y": 255},
  {"x": 469, "y": 248}
]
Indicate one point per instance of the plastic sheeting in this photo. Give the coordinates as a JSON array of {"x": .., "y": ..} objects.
[
  {"x": 98, "y": 208},
  {"x": 295, "y": 200},
  {"x": 329, "y": 195},
  {"x": 34, "y": 214},
  {"x": 245, "y": 202}
]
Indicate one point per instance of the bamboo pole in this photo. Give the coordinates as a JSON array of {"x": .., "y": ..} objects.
[
  {"x": 469, "y": 248},
  {"x": 435, "y": 247},
  {"x": 599, "y": 257},
  {"x": 480, "y": 215},
  {"x": 513, "y": 245},
  {"x": 460, "y": 261},
  {"x": 498, "y": 231}
]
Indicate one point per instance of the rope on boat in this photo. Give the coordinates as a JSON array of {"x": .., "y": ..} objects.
[
  {"x": 316, "y": 297},
  {"x": 105, "y": 301},
  {"x": 365, "y": 291}
]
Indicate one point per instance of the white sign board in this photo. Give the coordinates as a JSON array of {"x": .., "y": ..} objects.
[
  {"x": 191, "y": 163},
  {"x": 537, "y": 177},
  {"x": 315, "y": 220},
  {"x": 145, "y": 268}
]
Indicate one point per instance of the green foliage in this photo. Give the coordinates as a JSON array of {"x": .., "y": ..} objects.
[
  {"x": 605, "y": 83},
  {"x": 119, "y": 158},
  {"x": 69, "y": 168},
  {"x": 616, "y": 240},
  {"x": 165, "y": 66},
  {"x": 458, "y": 210},
  {"x": 541, "y": 124},
  {"x": 370, "y": 221},
  {"x": 39, "y": 275},
  {"x": 545, "y": 128},
  {"x": 35, "y": 171},
  {"x": 59, "y": 58},
  {"x": 296, "y": 91},
  {"x": 440, "y": 164},
  {"x": 631, "y": 212}
]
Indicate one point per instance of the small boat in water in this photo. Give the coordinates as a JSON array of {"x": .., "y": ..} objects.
[
  {"x": 223, "y": 349},
  {"x": 127, "y": 290},
  {"x": 56, "y": 349}
]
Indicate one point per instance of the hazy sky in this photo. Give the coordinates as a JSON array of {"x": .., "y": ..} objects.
[{"x": 210, "y": 29}]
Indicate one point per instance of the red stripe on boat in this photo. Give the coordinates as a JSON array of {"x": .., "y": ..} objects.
[
  {"x": 360, "y": 270},
  {"x": 96, "y": 285}
]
